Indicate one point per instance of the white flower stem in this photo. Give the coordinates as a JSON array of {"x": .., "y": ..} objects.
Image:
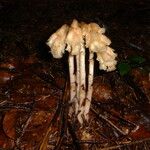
[
  {"x": 72, "y": 80},
  {"x": 77, "y": 84},
  {"x": 82, "y": 82},
  {"x": 82, "y": 75},
  {"x": 90, "y": 85}
]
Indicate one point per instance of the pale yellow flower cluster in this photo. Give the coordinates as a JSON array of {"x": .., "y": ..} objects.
[{"x": 76, "y": 39}]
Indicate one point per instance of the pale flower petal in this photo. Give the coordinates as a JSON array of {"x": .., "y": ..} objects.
[
  {"x": 107, "y": 59},
  {"x": 57, "y": 41},
  {"x": 74, "y": 38}
]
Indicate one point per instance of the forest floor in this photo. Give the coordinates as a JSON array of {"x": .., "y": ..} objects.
[{"x": 33, "y": 91}]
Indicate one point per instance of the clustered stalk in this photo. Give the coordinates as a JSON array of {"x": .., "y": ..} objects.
[
  {"x": 82, "y": 81},
  {"x": 95, "y": 42},
  {"x": 77, "y": 84},
  {"x": 90, "y": 85},
  {"x": 72, "y": 81}
]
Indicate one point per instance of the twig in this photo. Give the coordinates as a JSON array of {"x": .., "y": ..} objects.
[
  {"x": 108, "y": 121},
  {"x": 64, "y": 116},
  {"x": 8, "y": 106},
  {"x": 121, "y": 145},
  {"x": 129, "y": 123},
  {"x": 74, "y": 137},
  {"x": 43, "y": 145}
]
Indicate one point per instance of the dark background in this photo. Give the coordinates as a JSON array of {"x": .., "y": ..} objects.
[{"x": 33, "y": 21}]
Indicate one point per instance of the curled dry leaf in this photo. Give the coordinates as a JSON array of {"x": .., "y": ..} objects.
[
  {"x": 14, "y": 121},
  {"x": 5, "y": 76},
  {"x": 34, "y": 130},
  {"x": 102, "y": 90}
]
